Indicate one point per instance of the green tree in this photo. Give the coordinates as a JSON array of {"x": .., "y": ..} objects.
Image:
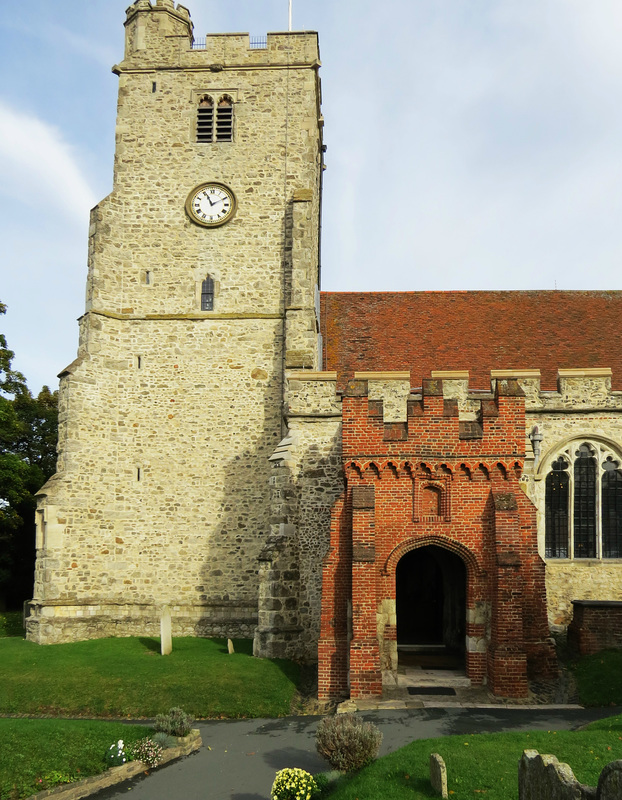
[{"x": 28, "y": 432}]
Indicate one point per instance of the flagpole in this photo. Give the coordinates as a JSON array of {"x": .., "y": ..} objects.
[{"x": 290, "y": 15}]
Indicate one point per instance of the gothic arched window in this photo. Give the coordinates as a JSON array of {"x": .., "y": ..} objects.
[
  {"x": 207, "y": 294},
  {"x": 577, "y": 525}
]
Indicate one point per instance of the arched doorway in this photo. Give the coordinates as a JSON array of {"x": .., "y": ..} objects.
[{"x": 431, "y": 608}]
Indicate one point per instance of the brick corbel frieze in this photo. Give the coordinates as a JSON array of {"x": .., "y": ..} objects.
[{"x": 365, "y": 674}]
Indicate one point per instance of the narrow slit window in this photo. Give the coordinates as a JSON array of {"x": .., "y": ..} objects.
[
  {"x": 138, "y": 475},
  {"x": 207, "y": 294},
  {"x": 224, "y": 120},
  {"x": 147, "y": 278},
  {"x": 205, "y": 119}
]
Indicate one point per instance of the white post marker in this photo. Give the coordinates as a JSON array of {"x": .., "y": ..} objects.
[
  {"x": 290, "y": 15},
  {"x": 166, "y": 638}
]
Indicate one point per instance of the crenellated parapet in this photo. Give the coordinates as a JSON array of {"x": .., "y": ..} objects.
[
  {"x": 433, "y": 426},
  {"x": 162, "y": 32},
  {"x": 156, "y": 29},
  {"x": 312, "y": 394},
  {"x": 395, "y": 396}
]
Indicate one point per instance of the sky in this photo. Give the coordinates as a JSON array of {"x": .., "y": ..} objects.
[{"x": 472, "y": 144}]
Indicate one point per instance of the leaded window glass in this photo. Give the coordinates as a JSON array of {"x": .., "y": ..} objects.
[
  {"x": 612, "y": 509},
  {"x": 557, "y": 494},
  {"x": 207, "y": 294},
  {"x": 584, "y": 503}
]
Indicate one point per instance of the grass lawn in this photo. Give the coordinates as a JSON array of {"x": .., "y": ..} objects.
[
  {"x": 484, "y": 765},
  {"x": 599, "y": 678},
  {"x": 129, "y": 677},
  {"x": 43, "y": 753}
]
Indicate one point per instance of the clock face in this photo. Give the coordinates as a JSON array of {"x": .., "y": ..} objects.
[{"x": 210, "y": 204}]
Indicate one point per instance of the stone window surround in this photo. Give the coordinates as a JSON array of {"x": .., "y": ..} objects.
[
  {"x": 602, "y": 450},
  {"x": 199, "y": 277},
  {"x": 215, "y": 95}
]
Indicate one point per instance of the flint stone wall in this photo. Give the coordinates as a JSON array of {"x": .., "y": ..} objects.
[{"x": 169, "y": 414}]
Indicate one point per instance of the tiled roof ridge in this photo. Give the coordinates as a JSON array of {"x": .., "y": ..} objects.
[{"x": 480, "y": 330}]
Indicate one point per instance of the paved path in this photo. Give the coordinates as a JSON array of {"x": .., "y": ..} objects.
[{"x": 245, "y": 754}]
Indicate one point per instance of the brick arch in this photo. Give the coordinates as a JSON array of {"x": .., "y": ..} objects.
[
  {"x": 353, "y": 467},
  {"x": 373, "y": 468},
  {"x": 392, "y": 467},
  {"x": 467, "y": 555}
]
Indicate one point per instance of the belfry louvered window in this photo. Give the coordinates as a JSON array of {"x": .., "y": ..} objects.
[
  {"x": 205, "y": 120},
  {"x": 583, "y": 503},
  {"x": 215, "y": 121},
  {"x": 224, "y": 120},
  {"x": 207, "y": 294}
]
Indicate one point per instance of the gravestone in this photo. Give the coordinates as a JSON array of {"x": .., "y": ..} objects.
[
  {"x": 438, "y": 774},
  {"x": 230, "y": 646},
  {"x": 610, "y": 782},
  {"x": 166, "y": 637},
  {"x": 543, "y": 777}
]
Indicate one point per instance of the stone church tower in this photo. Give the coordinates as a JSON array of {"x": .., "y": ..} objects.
[{"x": 202, "y": 288}]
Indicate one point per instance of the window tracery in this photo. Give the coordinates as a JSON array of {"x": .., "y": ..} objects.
[{"x": 583, "y": 502}]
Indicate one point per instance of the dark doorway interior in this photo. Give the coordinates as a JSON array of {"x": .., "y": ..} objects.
[{"x": 431, "y": 608}]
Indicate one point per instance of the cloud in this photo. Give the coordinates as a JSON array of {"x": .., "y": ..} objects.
[
  {"x": 39, "y": 168},
  {"x": 60, "y": 39},
  {"x": 490, "y": 140}
]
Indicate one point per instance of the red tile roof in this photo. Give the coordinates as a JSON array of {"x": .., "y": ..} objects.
[{"x": 475, "y": 331}]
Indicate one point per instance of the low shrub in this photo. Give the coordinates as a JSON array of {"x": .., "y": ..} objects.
[
  {"x": 347, "y": 743},
  {"x": 146, "y": 750},
  {"x": 50, "y": 780},
  {"x": 164, "y": 740},
  {"x": 322, "y": 781},
  {"x": 175, "y": 723},
  {"x": 293, "y": 784}
]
